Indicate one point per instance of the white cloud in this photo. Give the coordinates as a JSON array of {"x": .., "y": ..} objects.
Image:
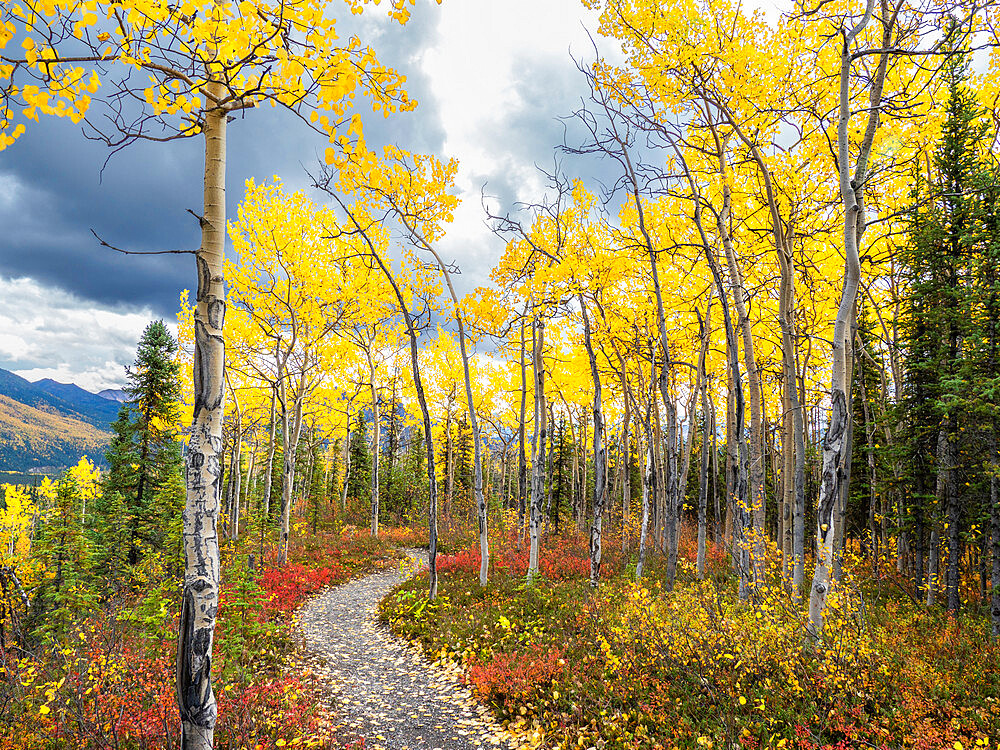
[
  {"x": 486, "y": 66},
  {"x": 46, "y": 332}
]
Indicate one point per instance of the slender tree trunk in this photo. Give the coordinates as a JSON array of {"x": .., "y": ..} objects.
[
  {"x": 706, "y": 333},
  {"x": 477, "y": 454},
  {"x": 548, "y": 469},
  {"x": 291, "y": 430},
  {"x": 236, "y": 480},
  {"x": 522, "y": 469},
  {"x": 538, "y": 445},
  {"x": 449, "y": 460},
  {"x": 200, "y": 594},
  {"x": 836, "y": 446},
  {"x": 428, "y": 435},
  {"x": 269, "y": 472},
  {"x": 873, "y": 532},
  {"x": 756, "y": 442},
  {"x": 717, "y": 535},
  {"x": 251, "y": 467},
  {"x": 649, "y": 475},
  {"x": 574, "y": 474},
  {"x": 626, "y": 461},
  {"x": 740, "y": 462},
  {"x": 347, "y": 461},
  {"x": 732, "y": 461},
  {"x": 840, "y": 519},
  {"x": 376, "y": 446},
  {"x": 600, "y": 452}
]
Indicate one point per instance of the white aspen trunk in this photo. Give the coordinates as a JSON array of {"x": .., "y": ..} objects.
[
  {"x": 477, "y": 457},
  {"x": 306, "y": 478},
  {"x": 251, "y": 467},
  {"x": 449, "y": 461},
  {"x": 626, "y": 460},
  {"x": 376, "y": 446},
  {"x": 756, "y": 443},
  {"x": 347, "y": 461},
  {"x": 600, "y": 453},
  {"x": 269, "y": 473},
  {"x": 706, "y": 334},
  {"x": 731, "y": 460},
  {"x": 717, "y": 533},
  {"x": 326, "y": 475},
  {"x": 799, "y": 508},
  {"x": 793, "y": 443},
  {"x": 522, "y": 469},
  {"x": 836, "y": 447},
  {"x": 673, "y": 494},
  {"x": 291, "y": 432},
  {"x": 428, "y": 434},
  {"x": 236, "y": 481},
  {"x": 538, "y": 447},
  {"x": 649, "y": 475},
  {"x": 200, "y": 594},
  {"x": 575, "y": 469},
  {"x": 737, "y": 448},
  {"x": 873, "y": 534},
  {"x": 548, "y": 468},
  {"x": 795, "y": 493}
]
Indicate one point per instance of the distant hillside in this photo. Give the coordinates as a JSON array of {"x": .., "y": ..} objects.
[
  {"x": 51, "y": 425},
  {"x": 113, "y": 394},
  {"x": 100, "y": 412},
  {"x": 58, "y": 398},
  {"x": 33, "y": 438}
]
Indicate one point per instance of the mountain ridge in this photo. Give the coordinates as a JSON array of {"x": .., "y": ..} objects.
[{"x": 50, "y": 425}]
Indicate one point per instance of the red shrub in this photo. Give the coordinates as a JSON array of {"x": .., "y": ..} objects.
[
  {"x": 509, "y": 680},
  {"x": 287, "y": 587},
  {"x": 560, "y": 558}
]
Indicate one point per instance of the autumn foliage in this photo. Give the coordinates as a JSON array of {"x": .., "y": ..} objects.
[
  {"x": 635, "y": 666},
  {"x": 108, "y": 680}
]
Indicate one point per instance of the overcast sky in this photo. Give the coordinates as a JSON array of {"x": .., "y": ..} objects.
[{"x": 491, "y": 78}]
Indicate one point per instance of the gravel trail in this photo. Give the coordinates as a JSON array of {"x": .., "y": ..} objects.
[{"x": 386, "y": 691}]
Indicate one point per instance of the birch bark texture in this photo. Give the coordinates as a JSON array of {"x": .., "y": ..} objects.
[
  {"x": 203, "y": 474},
  {"x": 836, "y": 443},
  {"x": 537, "y": 445},
  {"x": 600, "y": 452}
]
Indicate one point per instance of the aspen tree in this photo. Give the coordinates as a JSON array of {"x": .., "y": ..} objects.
[{"x": 204, "y": 61}]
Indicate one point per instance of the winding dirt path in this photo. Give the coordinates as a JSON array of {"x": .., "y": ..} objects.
[{"x": 385, "y": 690}]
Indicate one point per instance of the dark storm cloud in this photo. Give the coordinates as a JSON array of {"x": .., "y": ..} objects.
[{"x": 53, "y": 191}]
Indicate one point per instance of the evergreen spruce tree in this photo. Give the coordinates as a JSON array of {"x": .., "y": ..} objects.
[
  {"x": 111, "y": 527},
  {"x": 67, "y": 591},
  {"x": 315, "y": 488},
  {"x": 863, "y": 510},
  {"x": 940, "y": 323},
  {"x": 463, "y": 459},
  {"x": 144, "y": 490},
  {"x": 359, "y": 484}
]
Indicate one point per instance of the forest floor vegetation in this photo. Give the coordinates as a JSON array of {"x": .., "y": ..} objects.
[
  {"x": 633, "y": 665},
  {"x": 105, "y": 679}
]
